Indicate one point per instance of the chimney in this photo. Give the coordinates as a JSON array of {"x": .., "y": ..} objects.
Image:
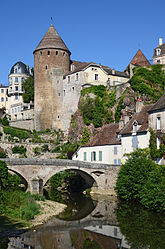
[
  {"x": 139, "y": 105},
  {"x": 160, "y": 41}
]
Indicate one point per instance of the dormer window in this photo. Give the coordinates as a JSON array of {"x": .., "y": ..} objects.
[
  {"x": 135, "y": 125},
  {"x": 158, "y": 51}
]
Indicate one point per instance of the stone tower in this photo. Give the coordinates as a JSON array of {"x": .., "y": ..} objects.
[{"x": 51, "y": 62}]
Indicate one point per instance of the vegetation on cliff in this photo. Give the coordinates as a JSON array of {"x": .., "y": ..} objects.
[
  {"x": 142, "y": 180},
  {"x": 95, "y": 105},
  {"x": 149, "y": 82}
]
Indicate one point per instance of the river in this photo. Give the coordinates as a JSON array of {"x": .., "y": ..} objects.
[{"x": 97, "y": 223}]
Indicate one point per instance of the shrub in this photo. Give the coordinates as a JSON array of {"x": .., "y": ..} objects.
[
  {"x": 2, "y": 153},
  {"x": 16, "y": 133},
  {"x": 19, "y": 150},
  {"x": 133, "y": 175}
]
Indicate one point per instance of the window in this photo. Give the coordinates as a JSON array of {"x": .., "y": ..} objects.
[
  {"x": 115, "y": 150},
  {"x": 85, "y": 156},
  {"x": 158, "y": 123},
  {"x": 2, "y": 90},
  {"x": 134, "y": 141},
  {"x": 158, "y": 143},
  {"x": 68, "y": 79},
  {"x": 96, "y": 77},
  {"x": 158, "y": 51},
  {"x": 135, "y": 127},
  {"x": 119, "y": 161},
  {"x": 93, "y": 156},
  {"x": 48, "y": 52},
  {"x": 64, "y": 54},
  {"x": 16, "y": 97},
  {"x": 41, "y": 53},
  {"x": 56, "y": 52},
  {"x": 2, "y": 99},
  {"x": 16, "y": 88},
  {"x": 15, "y": 70},
  {"x": 73, "y": 89},
  {"x": 16, "y": 79},
  {"x": 59, "y": 94},
  {"x": 76, "y": 76},
  {"x": 158, "y": 61},
  {"x": 100, "y": 155},
  {"x": 115, "y": 231},
  {"x": 115, "y": 161},
  {"x": 22, "y": 79},
  {"x": 46, "y": 67},
  {"x": 64, "y": 92},
  {"x": 6, "y": 99}
]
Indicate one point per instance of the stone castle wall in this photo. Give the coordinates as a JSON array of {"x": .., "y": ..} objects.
[{"x": 47, "y": 103}]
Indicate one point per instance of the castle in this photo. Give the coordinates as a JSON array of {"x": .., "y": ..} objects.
[
  {"x": 58, "y": 83},
  {"x": 59, "y": 80}
]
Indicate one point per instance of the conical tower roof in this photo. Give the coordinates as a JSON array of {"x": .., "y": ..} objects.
[{"x": 52, "y": 40}]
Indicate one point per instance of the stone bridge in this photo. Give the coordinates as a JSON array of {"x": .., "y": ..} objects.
[{"x": 36, "y": 172}]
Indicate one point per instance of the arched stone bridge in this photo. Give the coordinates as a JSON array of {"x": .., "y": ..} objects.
[{"x": 36, "y": 172}]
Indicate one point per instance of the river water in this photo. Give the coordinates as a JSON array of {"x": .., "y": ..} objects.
[{"x": 93, "y": 224}]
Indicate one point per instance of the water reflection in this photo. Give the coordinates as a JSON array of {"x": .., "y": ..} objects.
[{"x": 104, "y": 226}]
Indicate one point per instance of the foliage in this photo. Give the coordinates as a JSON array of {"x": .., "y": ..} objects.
[
  {"x": 88, "y": 244},
  {"x": 85, "y": 136},
  {"x": 36, "y": 150},
  {"x": 28, "y": 86},
  {"x": 4, "y": 121},
  {"x": 149, "y": 81},
  {"x": 3, "y": 174},
  {"x": 133, "y": 174},
  {"x": 140, "y": 227},
  {"x": 66, "y": 150},
  {"x": 2, "y": 153},
  {"x": 154, "y": 152},
  {"x": 153, "y": 193},
  {"x": 13, "y": 132},
  {"x": 19, "y": 150},
  {"x": 45, "y": 148},
  {"x": 119, "y": 107},
  {"x": 96, "y": 109},
  {"x": 140, "y": 179},
  {"x": 57, "y": 180}
]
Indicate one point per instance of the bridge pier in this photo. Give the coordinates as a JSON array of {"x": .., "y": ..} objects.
[{"x": 36, "y": 186}]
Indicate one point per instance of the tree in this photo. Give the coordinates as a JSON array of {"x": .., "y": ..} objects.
[
  {"x": 134, "y": 174},
  {"x": 28, "y": 86},
  {"x": 3, "y": 174}
]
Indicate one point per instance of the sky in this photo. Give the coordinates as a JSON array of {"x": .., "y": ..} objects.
[{"x": 103, "y": 31}]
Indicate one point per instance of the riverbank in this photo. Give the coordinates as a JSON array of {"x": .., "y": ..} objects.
[{"x": 48, "y": 209}]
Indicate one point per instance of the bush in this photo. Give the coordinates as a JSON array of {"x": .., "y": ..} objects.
[
  {"x": 2, "y": 153},
  {"x": 19, "y": 150},
  {"x": 133, "y": 175},
  {"x": 16, "y": 133}
]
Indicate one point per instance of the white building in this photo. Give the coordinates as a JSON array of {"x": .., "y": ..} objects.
[
  {"x": 105, "y": 147},
  {"x": 159, "y": 53}
]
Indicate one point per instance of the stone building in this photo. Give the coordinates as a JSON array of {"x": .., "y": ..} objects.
[
  {"x": 159, "y": 53},
  {"x": 58, "y": 81}
]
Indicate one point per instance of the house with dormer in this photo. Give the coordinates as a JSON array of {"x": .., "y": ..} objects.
[{"x": 159, "y": 53}]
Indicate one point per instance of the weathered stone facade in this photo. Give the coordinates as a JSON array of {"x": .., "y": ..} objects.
[{"x": 58, "y": 81}]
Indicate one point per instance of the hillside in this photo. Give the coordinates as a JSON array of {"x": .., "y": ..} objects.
[{"x": 99, "y": 105}]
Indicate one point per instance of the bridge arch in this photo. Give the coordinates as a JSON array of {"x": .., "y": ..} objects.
[
  {"x": 88, "y": 178},
  {"x": 25, "y": 181}
]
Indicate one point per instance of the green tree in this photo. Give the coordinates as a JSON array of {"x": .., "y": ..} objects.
[
  {"x": 3, "y": 174},
  {"x": 134, "y": 174},
  {"x": 28, "y": 86}
]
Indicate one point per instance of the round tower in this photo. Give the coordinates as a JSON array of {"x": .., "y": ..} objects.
[{"x": 51, "y": 58}]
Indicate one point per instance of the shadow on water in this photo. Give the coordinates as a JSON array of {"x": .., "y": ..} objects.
[
  {"x": 141, "y": 228},
  {"x": 78, "y": 205}
]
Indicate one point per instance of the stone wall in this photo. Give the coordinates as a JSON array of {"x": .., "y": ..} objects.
[{"x": 23, "y": 124}]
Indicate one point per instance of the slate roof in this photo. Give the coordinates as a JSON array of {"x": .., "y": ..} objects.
[
  {"x": 21, "y": 68},
  {"x": 140, "y": 59},
  {"x": 162, "y": 47},
  {"x": 106, "y": 136},
  {"x": 82, "y": 65},
  {"x": 142, "y": 120},
  {"x": 52, "y": 40},
  {"x": 159, "y": 105}
]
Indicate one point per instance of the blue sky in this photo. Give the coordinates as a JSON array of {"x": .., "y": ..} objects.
[{"x": 104, "y": 31}]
